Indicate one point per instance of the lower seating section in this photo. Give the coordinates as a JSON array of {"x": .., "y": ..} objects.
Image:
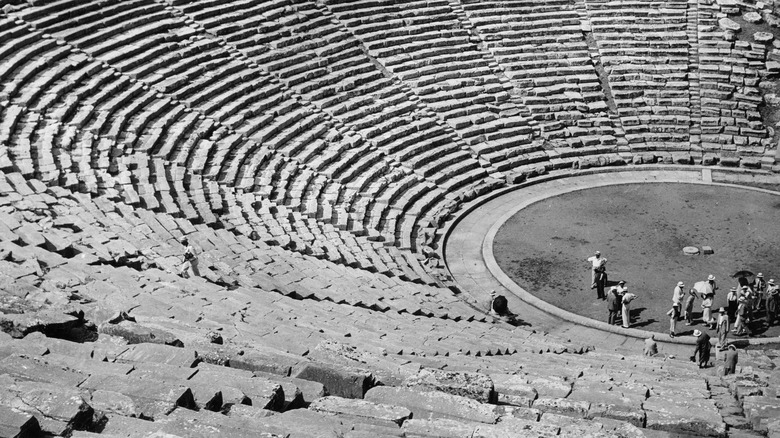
[
  {"x": 103, "y": 338},
  {"x": 644, "y": 51}
]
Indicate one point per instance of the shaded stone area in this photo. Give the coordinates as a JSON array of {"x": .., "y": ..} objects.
[{"x": 641, "y": 230}]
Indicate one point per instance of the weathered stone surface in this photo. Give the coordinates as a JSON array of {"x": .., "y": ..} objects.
[
  {"x": 275, "y": 362},
  {"x": 152, "y": 398},
  {"x": 668, "y": 415},
  {"x": 297, "y": 392},
  {"x": 136, "y": 333},
  {"x": 111, "y": 402},
  {"x": 562, "y": 405},
  {"x": 433, "y": 404},
  {"x": 513, "y": 390},
  {"x": 49, "y": 321},
  {"x": 338, "y": 380},
  {"x": 247, "y": 411},
  {"x": 186, "y": 423},
  {"x": 763, "y": 37},
  {"x": 515, "y": 427},
  {"x": 60, "y": 409},
  {"x": 158, "y": 353},
  {"x": 472, "y": 385},
  {"x": 118, "y": 425},
  {"x": 14, "y": 422},
  {"x": 524, "y": 413},
  {"x": 262, "y": 392},
  {"x": 728, "y": 24},
  {"x": 361, "y": 409},
  {"x": 438, "y": 427},
  {"x": 38, "y": 369}
]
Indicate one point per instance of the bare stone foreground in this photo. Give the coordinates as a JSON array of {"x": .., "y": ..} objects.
[{"x": 316, "y": 154}]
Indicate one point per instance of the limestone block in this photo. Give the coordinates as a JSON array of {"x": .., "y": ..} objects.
[
  {"x": 729, "y": 25},
  {"x": 472, "y": 385},
  {"x": 438, "y": 427},
  {"x": 433, "y": 404},
  {"x": 361, "y": 409},
  {"x": 339, "y": 380}
]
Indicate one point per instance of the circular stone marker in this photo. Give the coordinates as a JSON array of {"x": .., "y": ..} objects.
[{"x": 690, "y": 250}]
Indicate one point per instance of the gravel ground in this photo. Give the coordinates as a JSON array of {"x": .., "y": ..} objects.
[{"x": 641, "y": 229}]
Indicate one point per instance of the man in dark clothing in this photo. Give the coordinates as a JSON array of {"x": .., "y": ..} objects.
[
  {"x": 614, "y": 304},
  {"x": 702, "y": 348},
  {"x": 731, "y": 360}
]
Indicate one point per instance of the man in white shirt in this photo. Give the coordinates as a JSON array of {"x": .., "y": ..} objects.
[
  {"x": 678, "y": 295},
  {"x": 598, "y": 271}
]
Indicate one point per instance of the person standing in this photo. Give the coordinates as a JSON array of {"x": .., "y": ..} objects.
[
  {"x": 741, "y": 325},
  {"x": 689, "y": 306},
  {"x": 772, "y": 302},
  {"x": 702, "y": 349},
  {"x": 731, "y": 300},
  {"x": 706, "y": 306},
  {"x": 613, "y": 305},
  {"x": 621, "y": 287},
  {"x": 759, "y": 287},
  {"x": 628, "y": 297},
  {"x": 674, "y": 315},
  {"x": 723, "y": 328},
  {"x": 713, "y": 285},
  {"x": 731, "y": 360},
  {"x": 598, "y": 273},
  {"x": 677, "y": 294}
]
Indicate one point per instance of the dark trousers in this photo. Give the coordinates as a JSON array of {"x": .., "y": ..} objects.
[{"x": 613, "y": 314}]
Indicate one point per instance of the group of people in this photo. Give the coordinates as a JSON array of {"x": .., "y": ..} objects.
[
  {"x": 619, "y": 304},
  {"x": 618, "y": 299}
]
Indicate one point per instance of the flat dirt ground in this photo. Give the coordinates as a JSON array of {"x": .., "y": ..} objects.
[{"x": 641, "y": 229}]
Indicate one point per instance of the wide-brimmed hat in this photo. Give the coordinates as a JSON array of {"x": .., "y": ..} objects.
[
  {"x": 745, "y": 288},
  {"x": 721, "y": 310},
  {"x": 680, "y": 283},
  {"x": 597, "y": 253},
  {"x": 760, "y": 275},
  {"x": 771, "y": 281},
  {"x": 696, "y": 333},
  {"x": 622, "y": 282},
  {"x": 711, "y": 278},
  {"x": 733, "y": 289}
]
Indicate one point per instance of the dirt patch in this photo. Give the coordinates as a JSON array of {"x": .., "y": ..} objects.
[{"x": 641, "y": 229}]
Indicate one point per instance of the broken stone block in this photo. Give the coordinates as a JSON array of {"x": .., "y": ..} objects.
[
  {"x": 728, "y": 24},
  {"x": 136, "y": 333},
  {"x": 763, "y": 37},
  {"x": 472, "y": 385},
  {"x": 338, "y": 380},
  {"x": 16, "y": 423},
  {"x": 707, "y": 250}
]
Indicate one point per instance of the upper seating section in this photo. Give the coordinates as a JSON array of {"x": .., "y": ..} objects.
[
  {"x": 543, "y": 51},
  {"x": 645, "y": 53},
  {"x": 426, "y": 45}
]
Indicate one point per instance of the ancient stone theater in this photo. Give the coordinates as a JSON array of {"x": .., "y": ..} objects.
[{"x": 277, "y": 218}]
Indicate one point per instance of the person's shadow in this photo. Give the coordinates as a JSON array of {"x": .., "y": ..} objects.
[{"x": 635, "y": 315}]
